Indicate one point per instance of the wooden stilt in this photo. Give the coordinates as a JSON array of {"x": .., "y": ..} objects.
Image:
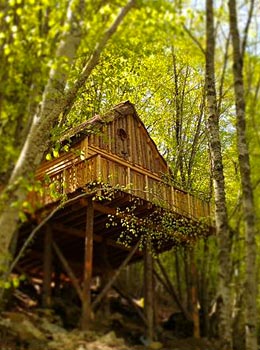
[
  {"x": 86, "y": 303},
  {"x": 149, "y": 297},
  {"x": 47, "y": 268}
]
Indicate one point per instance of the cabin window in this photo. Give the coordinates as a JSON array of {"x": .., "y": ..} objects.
[
  {"x": 122, "y": 134},
  {"x": 122, "y": 144}
]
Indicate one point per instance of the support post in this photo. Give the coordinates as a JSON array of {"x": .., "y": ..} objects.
[
  {"x": 149, "y": 296},
  {"x": 47, "y": 268},
  {"x": 87, "y": 276}
]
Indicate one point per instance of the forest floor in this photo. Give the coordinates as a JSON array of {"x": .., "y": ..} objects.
[
  {"x": 32, "y": 328},
  {"x": 38, "y": 330},
  {"x": 20, "y": 331}
]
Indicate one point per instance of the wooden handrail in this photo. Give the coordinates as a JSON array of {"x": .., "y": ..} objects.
[{"x": 75, "y": 174}]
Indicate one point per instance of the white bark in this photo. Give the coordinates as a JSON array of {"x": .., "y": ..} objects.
[
  {"x": 222, "y": 230},
  {"x": 245, "y": 174},
  {"x": 55, "y": 100}
]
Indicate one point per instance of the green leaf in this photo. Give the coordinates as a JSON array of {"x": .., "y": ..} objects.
[
  {"x": 16, "y": 282},
  {"x": 55, "y": 153},
  {"x": 7, "y": 285},
  {"x": 48, "y": 156}
]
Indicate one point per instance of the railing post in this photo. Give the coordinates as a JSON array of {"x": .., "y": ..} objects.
[
  {"x": 128, "y": 178},
  {"x": 99, "y": 168},
  {"x": 64, "y": 182},
  {"x": 172, "y": 196},
  {"x": 146, "y": 188},
  {"x": 189, "y": 206},
  {"x": 85, "y": 147}
]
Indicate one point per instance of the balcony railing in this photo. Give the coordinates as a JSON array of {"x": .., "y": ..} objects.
[{"x": 70, "y": 174}]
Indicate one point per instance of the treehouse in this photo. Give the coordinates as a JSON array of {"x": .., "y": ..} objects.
[{"x": 108, "y": 178}]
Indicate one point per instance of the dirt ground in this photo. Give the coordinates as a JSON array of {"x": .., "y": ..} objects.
[
  {"x": 39, "y": 330},
  {"x": 116, "y": 326}
]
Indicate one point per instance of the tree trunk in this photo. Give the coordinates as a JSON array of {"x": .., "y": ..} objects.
[
  {"x": 204, "y": 291},
  {"x": 149, "y": 292},
  {"x": 222, "y": 230},
  {"x": 186, "y": 262},
  {"x": 194, "y": 296},
  {"x": 178, "y": 276},
  {"x": 55, "y": 100},
  {"x": 245, "y": 174}
]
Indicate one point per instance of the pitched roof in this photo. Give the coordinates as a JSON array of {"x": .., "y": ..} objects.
[
  {"x": 94, "y": 124},
  {"x": 87, "y": 127}
]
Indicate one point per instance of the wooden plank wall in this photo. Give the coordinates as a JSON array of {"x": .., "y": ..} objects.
[{"x": 137, "y": 147}]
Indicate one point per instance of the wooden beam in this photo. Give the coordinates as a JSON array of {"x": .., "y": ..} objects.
[
  {"x": 68, "y": 210},
  {"x": 75, "y": 232},
  {"x": 47, "y": 268},
  {"x": 115, "y": 276},
  {"x": 104, "y": 209},
  {"x": 149, "y": 292},
  {"x": 88, "y": 261},
  {"x": 97, "y": 238},
  {"x": 99, "y": 207},
  {"x": 68, "y": 270}
]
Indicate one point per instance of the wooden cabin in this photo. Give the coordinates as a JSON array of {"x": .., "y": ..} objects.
[{"x": 109, "y": 161}]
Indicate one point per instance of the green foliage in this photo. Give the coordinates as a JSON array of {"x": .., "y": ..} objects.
[
  {"x": 12, "y": 282},
  {"x": 163, "y": 228},
  {"x": 154, "y": 62},
  {"x": 28, "y": 35}
]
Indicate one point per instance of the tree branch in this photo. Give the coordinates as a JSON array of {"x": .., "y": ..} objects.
[
  {"x": 94, "y": 58},
  {"x": 53, "y": 104},
  {"x": 196, "y": 41},
  {"x": 222, "y": 79},
  {"x": 250, "y": 15}
]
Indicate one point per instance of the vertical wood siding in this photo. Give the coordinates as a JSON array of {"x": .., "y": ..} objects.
[{"x": 120, "y": 154}]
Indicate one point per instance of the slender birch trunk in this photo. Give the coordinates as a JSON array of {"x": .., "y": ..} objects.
[
  {"x": 224, "y": 241},
  {"x": 56, "y": 99},
  {"x": 245, "y": 174}
]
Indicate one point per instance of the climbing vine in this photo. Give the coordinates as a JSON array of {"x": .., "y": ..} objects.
[{"x": 164, "y": 228}]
